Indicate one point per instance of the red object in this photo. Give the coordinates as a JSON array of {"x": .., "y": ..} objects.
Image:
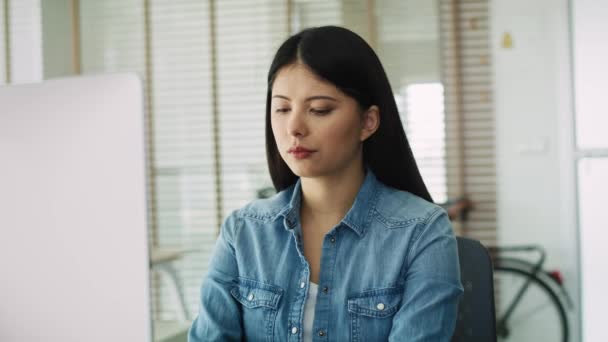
[{"x": 557, "y": 276}]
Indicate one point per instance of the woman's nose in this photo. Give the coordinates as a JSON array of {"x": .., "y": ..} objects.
[{"x": 296, "y": 124}]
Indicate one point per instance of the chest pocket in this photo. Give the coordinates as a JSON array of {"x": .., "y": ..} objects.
[
  {"x": 260, "y": 302},
  {"x": 371, "y": 313}
]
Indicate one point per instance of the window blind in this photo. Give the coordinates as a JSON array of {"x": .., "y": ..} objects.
[
  {"x": 424, "y": 121},
  {"x": 112, "y": 39},
  {"x": 181, "y": 91},
  {"x": 4, "y": 53},
  {"x": 466, "y": 75},
  {"x": 112, "y": 36},
  {"x": 407, "y": 42},
  {"x": 169, "y": 43},
  {"x": 248, "y": 34},
  {"x": 313, "y": 13},
  {"x": 25, "y": 50}
]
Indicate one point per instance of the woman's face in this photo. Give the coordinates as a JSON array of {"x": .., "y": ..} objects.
[{"x": 318, "y": 129}]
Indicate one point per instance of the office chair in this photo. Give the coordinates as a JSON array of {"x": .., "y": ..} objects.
[{"x": 476, "y": 316}]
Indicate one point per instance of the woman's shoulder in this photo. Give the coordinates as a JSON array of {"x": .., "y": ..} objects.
[
  {"x": 402, "y": 207},
  {"x": 265, "y": 209}
]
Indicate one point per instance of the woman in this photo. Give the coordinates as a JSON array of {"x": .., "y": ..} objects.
[{"x": 352, "y": 247}]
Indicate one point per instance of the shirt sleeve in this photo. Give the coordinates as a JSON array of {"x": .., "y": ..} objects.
[
  {"x": 219, "y": 318},
  {"x": 432, "y": 285}
]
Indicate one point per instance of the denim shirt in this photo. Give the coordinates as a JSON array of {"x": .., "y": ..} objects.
[{"x": 389, "y": 272}]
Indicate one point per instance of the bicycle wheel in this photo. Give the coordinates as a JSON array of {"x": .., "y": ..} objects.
[{"x": 538, "y": 316}]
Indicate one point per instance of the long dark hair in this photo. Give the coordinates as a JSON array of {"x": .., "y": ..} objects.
[{"x": 344, "y": 59}]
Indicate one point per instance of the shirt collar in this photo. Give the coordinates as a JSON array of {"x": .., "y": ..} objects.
[{"x": 357, "y": 218}]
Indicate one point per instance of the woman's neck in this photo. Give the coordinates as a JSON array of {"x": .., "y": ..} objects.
[{"x": 329, "y": 198}]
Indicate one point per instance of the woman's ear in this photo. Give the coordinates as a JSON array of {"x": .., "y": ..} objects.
[{"x": 370, "y": 122}]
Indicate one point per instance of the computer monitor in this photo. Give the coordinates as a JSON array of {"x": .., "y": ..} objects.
[{"x": 73, "y": 227}]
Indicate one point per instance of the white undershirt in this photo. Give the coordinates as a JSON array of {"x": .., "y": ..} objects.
[{"x": 309, "y": 311}]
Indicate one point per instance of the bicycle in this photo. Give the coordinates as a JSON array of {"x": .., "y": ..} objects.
[
  {"x": 531, "y": 302},
  {"x": 527, "y": 297}
]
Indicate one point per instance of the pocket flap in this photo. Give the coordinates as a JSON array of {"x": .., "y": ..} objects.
[
  {"x": 253, "y": 294},
  {"x": 378, "y": 303}
]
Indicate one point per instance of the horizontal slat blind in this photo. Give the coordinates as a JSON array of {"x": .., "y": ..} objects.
[
  {"x": 112, "y": 36},
  {"x": 407, "y": 42},
  {"x": 4, "y": 60},
  {"x": 356, "y": 17},
  {"x": 180, "y": 61},
  {"x": 425, "y": 128},
  {"x": 466, "y": 74},
  {"x": 248, "y": 34},
  {"x": 313, "y": 13},
  {"x": 25, "y": 41},
  {"x": 112, "y": 39}
]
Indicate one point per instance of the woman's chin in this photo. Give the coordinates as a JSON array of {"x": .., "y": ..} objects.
[{"x": 305, "y": 171}]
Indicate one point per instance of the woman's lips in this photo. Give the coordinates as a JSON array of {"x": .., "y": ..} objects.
[
  {"x": 300, "y": 152},
  {"x": 302, "y": 155}
]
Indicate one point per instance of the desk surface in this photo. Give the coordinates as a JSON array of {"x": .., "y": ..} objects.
[
  {"x": 159, "y": 255},
  {"x": 171, "y": 331}
]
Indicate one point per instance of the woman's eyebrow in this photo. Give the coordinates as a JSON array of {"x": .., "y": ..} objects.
[
  {"x": 320, "y": 97},
  {"x": 316, "y": 97}
]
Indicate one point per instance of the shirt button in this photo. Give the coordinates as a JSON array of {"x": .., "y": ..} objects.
[
  {"x": 380, "y": 306},
  {"x": 333, "y": 239},
  {"x": 294, "y": 330},
  {"x": 302, "y": 284},
  {"x": 325, "y": 289},
  {"x": 321, "y": 333},
  {"x": 250, "y": 297}
]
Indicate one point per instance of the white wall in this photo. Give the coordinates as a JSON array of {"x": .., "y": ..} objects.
[
  {"x": 590, "y": 53},
  {"x": 534, "y": 132}
]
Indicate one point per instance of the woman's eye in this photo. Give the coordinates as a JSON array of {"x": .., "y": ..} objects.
[
  {"x": 319, "y": 111},
  {"x": 282, "y": 110}
]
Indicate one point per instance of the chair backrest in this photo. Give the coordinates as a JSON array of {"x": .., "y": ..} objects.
[{"x": 476, "y": 316}]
